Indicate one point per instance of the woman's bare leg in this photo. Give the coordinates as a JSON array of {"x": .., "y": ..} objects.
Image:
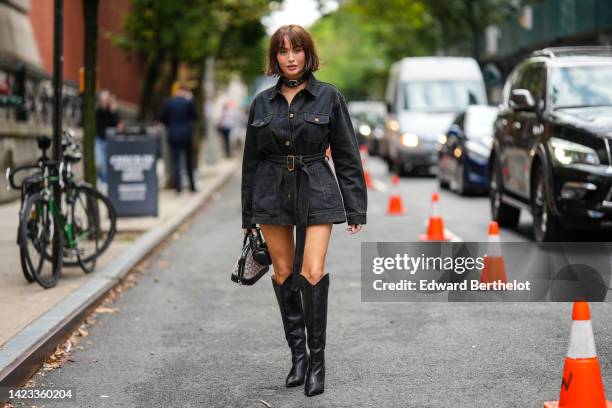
[
  {"x": 279, "y": 239},
  {"x": 317, "y": 241}
]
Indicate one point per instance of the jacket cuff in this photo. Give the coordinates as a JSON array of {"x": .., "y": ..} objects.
[
  {"x": 356, "y": 218},
  {"x": 246, "y": 222}
]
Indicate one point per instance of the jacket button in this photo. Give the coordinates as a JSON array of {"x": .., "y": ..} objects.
[
  {"x": 291, "y": 115},
  {"x": 287, "y": 143}
]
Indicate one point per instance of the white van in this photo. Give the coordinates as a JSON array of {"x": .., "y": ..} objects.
[{"x": 423, "y": 96}]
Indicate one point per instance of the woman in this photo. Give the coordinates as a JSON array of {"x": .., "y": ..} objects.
[{"x": 287, "y": 180}]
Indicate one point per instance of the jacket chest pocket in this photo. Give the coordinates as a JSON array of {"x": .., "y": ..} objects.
[
  {"x": 316, "y": 127},
  {"x": 263, "y": 130}
]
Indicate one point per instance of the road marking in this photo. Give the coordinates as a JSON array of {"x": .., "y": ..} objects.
[
  {"x": 453, "y": 237},
  {"x": 379, "y": 185}
]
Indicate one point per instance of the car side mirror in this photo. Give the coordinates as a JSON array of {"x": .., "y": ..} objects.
[{"x": 522, "y": 100}]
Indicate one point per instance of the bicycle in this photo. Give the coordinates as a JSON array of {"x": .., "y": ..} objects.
[
  {"x": 88, "y": 214},
  {"x": 30, "y": 184}
]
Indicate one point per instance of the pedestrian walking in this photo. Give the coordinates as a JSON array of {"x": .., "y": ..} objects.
[
  {"x": 226, "y": 124},
  {"x": 106, "y": 117},
  {"x": 287, "y": 181},
  {"x": 178, "y": 114}
]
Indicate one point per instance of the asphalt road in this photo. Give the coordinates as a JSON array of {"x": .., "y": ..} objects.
[{"x": 186, "y": 336}]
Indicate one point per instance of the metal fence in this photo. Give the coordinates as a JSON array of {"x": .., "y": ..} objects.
[{"x": 26, "y": 95}]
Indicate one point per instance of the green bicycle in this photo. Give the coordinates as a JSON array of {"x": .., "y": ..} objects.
[{"x": 84, "y": 230}]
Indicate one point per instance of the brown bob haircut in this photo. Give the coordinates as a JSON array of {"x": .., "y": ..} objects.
[{"x": 298, "y": 37}]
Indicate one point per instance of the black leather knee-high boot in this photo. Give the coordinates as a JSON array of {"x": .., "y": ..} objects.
[
  {"x": 290, "y": 305},
  {"x": 315, "y": 315}
]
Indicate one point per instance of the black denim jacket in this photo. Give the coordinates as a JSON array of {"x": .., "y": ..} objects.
[{"x": 317, "y": 118}]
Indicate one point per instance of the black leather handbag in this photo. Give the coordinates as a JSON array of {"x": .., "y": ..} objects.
[{"x": 254, "y": 260}]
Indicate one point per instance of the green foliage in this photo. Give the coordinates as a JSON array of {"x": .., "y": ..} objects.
[
  {"x": 362, "y": 38},
  {"x": 174, "y": 31},
  {"x": 350, "y": 58},
  {"x": 359, "y": 41}
]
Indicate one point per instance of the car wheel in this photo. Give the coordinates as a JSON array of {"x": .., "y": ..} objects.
[
  {"x": 504, "y": 214},
  {"x": 546, "y": 226}
]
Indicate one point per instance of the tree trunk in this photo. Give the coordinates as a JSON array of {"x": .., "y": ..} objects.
[
  {"x": 152, "y": 71},
  {"x": 90, "y": 14},
  {"x": 198, "y": 99}
]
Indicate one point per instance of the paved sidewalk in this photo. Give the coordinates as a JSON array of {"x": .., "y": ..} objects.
[{"x": 22, "y": 303}]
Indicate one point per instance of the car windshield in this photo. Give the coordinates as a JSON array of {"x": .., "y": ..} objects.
[
  {"x": 372, "y": 118},
  {"x": 442, "y": 96},
  {"x": 479, "y": 122},
  {"x": 581, "y": 86}
]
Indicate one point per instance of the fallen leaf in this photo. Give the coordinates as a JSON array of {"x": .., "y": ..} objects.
[{"x": 103, "y": 309}]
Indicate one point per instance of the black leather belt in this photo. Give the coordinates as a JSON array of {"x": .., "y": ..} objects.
[{"x": 301, "y": 201}]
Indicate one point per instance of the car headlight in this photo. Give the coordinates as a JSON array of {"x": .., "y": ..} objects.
[
  {"x": 479, "y": 150},
  {"x": 365, "y": 130},
  {"x": 393, "y": 125},
  {"x": 442, "y": 138},
  {"x": 566, "y": 152},
  {"x": 410, "y": 140}
]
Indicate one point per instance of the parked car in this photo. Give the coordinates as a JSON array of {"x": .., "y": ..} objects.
[
  {"x": 463, "y": 156},
  {"x": 423, "y": 96},
  {"x": 369, "y": 122},
  {"x": 552, "y": 143}
]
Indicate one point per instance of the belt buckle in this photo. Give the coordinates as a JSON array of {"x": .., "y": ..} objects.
[{"x": 292, "y": 166}]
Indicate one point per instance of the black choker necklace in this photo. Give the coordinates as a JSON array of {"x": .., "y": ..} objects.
[{"x": 292, "y": 83}]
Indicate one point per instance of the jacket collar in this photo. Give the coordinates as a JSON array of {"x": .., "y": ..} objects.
[{"x": 311, "y": 86}]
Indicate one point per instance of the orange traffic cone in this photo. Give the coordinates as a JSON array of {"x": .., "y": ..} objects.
[
  {"x": 494, "y": 269},
  {"x": 363, "y": 152},
  {"x": 581, "y": 385},
  {"x": 395, "y": 200},
  {"x": 435, "y": 226}
]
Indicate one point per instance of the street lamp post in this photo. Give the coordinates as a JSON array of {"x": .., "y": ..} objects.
[{"x": 58, "y": 59}]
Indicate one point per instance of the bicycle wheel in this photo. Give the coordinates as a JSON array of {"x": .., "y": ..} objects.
[
  {"x": 38, "y": 229},
  {"x": 93, "y": 203},
  {"x": 85, "y": 228},
  {"x": 29, "y": 186},
  {"x": 27, "y": 274}
]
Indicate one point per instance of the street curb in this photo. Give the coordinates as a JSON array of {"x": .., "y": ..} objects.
[{"x": 23, "y": 354}]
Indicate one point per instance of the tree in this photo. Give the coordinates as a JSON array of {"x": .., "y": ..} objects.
[
  {"x": 90, "y": 15},
  {"x": 358, "y": 41},
  {"x": 170, "y": 31}
]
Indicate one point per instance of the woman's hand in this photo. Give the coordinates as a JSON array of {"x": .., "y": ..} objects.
[{"x": 353, "y": 229}]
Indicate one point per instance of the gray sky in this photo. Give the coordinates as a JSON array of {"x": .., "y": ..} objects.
[{"x": 302, "y": 12}]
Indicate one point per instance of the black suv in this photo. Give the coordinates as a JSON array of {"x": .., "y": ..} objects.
[{"x": 552, "y": 145}]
